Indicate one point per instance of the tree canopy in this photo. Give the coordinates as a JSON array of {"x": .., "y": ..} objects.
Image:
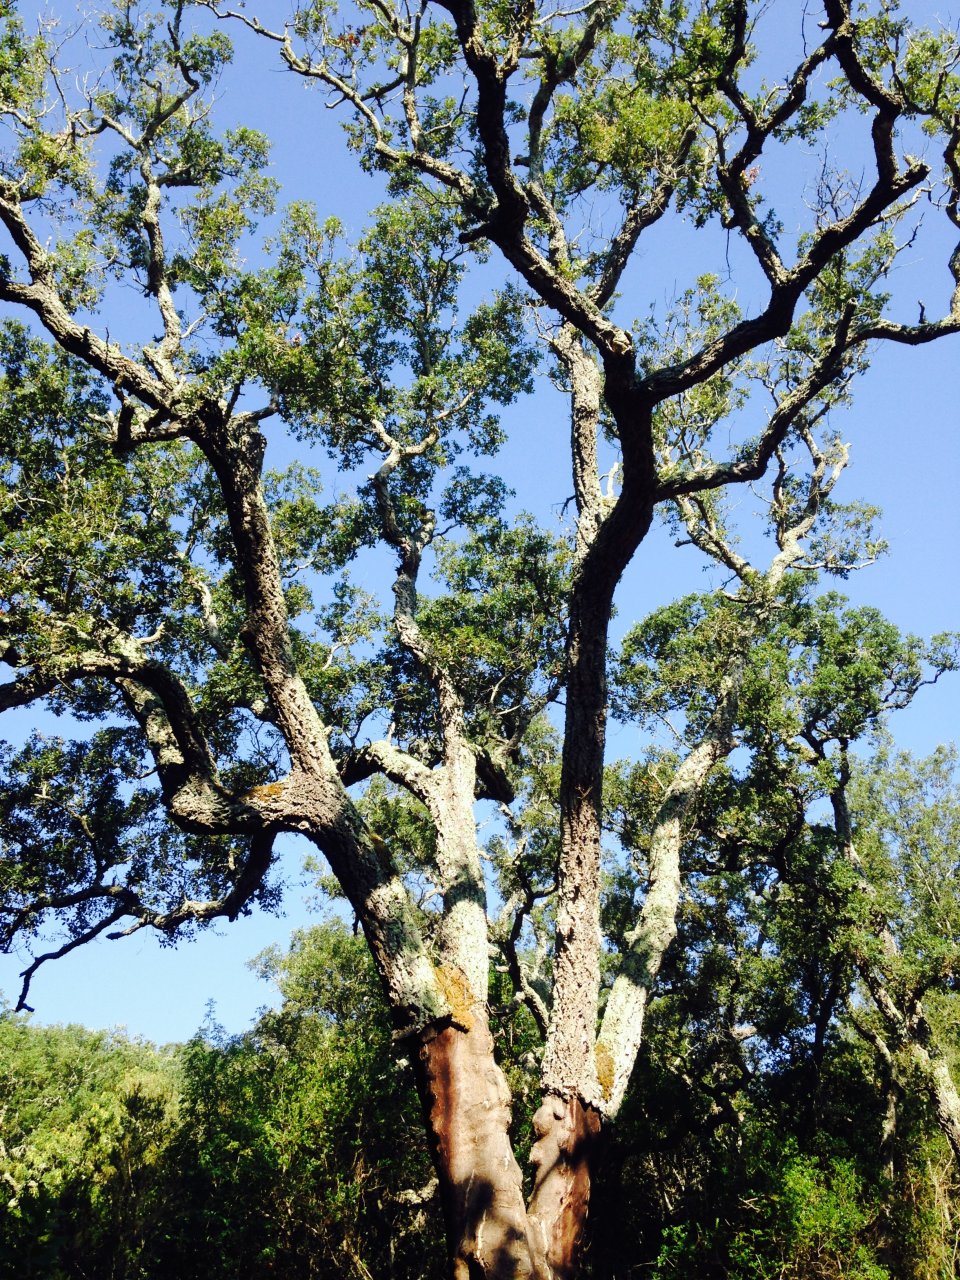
[{"x": 203, "y": 619}]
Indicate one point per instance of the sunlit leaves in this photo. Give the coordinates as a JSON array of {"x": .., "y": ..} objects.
[
  {"x": 76, "y": 518},
  {"x": 500, "y": 626},
  {"x": 908, "y": 815},
  {"x": 85, "y": 841}
]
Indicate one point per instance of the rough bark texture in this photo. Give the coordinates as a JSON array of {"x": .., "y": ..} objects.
[
  {"x": 940, "y": 1088},
  {"x": 609, "y": 530}
]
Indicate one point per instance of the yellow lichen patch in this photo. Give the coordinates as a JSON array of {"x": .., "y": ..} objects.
[
  {"x": 269, "y": 791},
  {"x": 456, "y": 991},
  {"x": 605, "y": 1068}
]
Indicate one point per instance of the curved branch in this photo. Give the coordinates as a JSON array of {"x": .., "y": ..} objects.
[
  {"x": 42, "y": 298},
  {"x": 88, "y": 936},
  {"x": 827, "y": 368}
]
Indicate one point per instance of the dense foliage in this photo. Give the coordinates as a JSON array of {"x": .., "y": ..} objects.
[
  {"x": 280, "y": 1152},
  {"x": 228, "y": 439},
  {"x": 284, "y": 1152}
]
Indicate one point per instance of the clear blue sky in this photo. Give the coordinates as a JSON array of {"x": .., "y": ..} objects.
[{"x": 903, "y": 431}]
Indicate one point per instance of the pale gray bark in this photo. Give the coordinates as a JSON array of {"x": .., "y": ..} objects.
[
  {"x": 622, "y": 1028},
  {"x": 447, "y": 790},
  {"x": 941, "y": 1088}
]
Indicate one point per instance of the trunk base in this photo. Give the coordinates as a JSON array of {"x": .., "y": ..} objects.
[
  {"x": 467, "y": 1104},
  {"x": 568, "y": 1138}
]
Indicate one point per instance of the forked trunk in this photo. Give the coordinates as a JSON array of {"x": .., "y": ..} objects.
[{"x": 490, "y": 1234}]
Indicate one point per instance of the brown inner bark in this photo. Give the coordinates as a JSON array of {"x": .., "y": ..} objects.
[
  {"x": 568, "y": 1140},
  {"x": 466, "y": 1101},
  {"x": 467, "y": 1106},
  {"x": 490, "y": 1233}
]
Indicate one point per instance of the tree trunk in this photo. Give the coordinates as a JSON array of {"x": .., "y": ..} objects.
[
  {"x": 564, "y": 1156},
  {"x": 939, "y": 1084},
  {"x": 466, "y": 1102}
]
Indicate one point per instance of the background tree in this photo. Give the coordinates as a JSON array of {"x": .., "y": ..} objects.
[
  {"x": 88, "y": 1119},
  {"x": 158, "y": 582},
  {"x": 299, "y": 1147},
  {"x": 757, "y": 1024},
  {"x": 296, "y": 1149}
]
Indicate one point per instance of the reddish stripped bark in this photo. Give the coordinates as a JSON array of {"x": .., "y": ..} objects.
[
  {"x": 490, "y": 1233},
  {"x": 467, "y": 1104},
  {"x": 568, "y": 1140}
]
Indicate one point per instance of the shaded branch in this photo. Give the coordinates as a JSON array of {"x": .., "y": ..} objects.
[{"x": 791, "y": 408}]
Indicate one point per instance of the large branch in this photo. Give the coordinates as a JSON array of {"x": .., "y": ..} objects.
[
  {"x": 775, "y": 320},
  {"x": 449, "y": 793},
  {"x": 42, "y": 298},
  {"x": 585, "y": 401},
  {"x": 622, "y": 1027},
  {"x": 385, "y": 758},
  {"x": 127, "y": 903},
  {"x": 158, "y": 701},
  {"x": 504, "y": 224},
  {"x": 234, "y": 447},
  {"x": 303, "y": 801},
  {"x": 827, "y": 367},
  {"x": 639, "y": 217}
]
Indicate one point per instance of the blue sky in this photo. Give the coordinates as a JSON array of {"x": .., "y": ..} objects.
[{"x": 903, "y": 430}]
